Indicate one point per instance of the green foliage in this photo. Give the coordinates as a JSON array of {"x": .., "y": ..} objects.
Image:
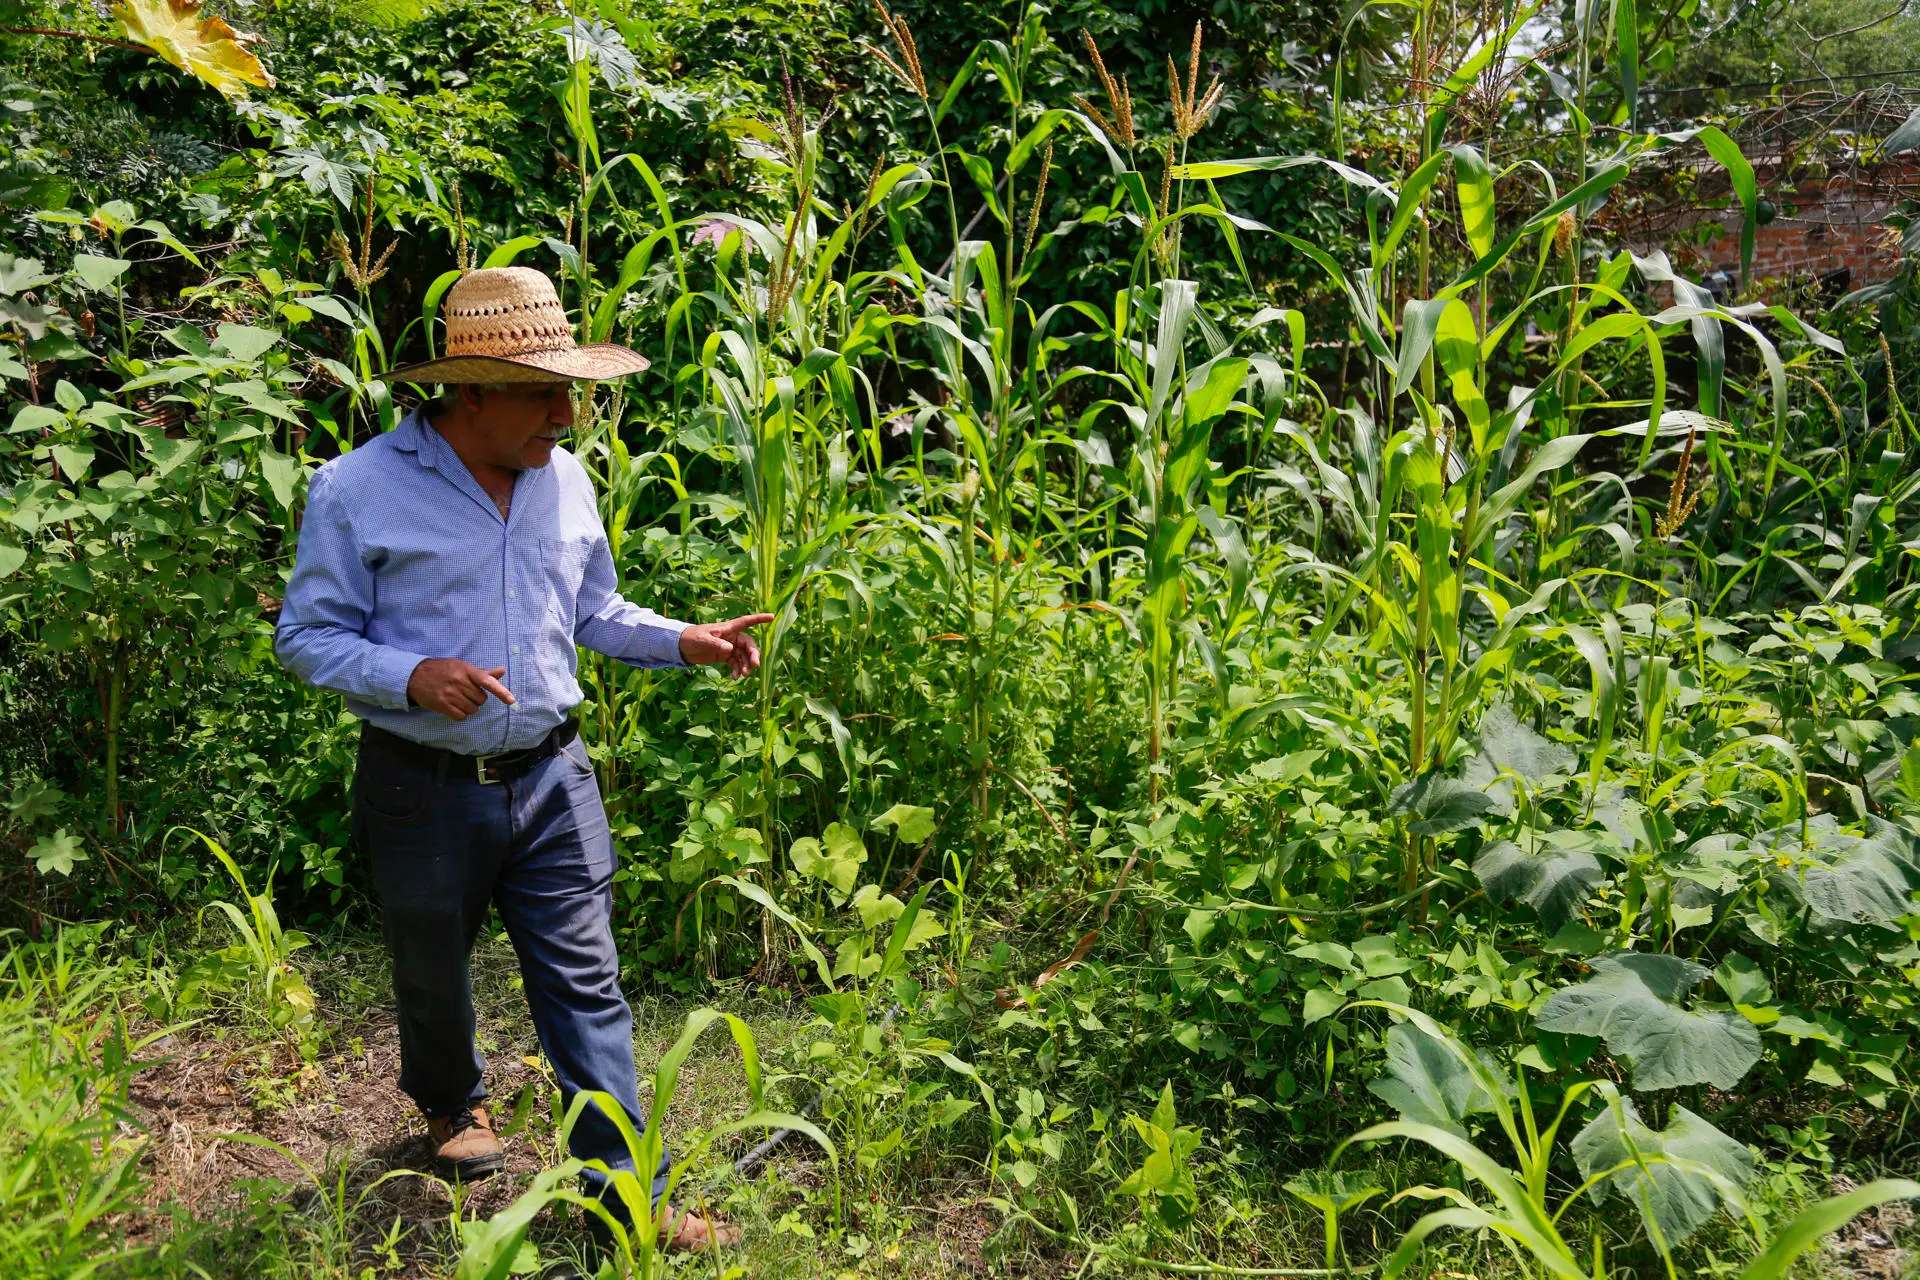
[
  {"x": 67, "y": 1060},
  {"x": 1198, "y": 639},
  {"x": 1635, "y": 1002}
]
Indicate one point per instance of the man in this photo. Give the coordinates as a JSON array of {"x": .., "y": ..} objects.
[{"x": 446, "y": 572}]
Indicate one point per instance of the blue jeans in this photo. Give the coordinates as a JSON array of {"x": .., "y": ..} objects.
[{"x": 443, "y": 848}]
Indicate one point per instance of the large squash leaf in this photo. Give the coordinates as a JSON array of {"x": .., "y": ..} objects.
[
  {"x": 204, "y": 47},
  {"x": 1633, "y": 1003},
  {"x": 1554, "y": 877},
  {"x": 1844, "y": 878},
  {"x": 1683, "y": 1174},
  {"x": 1435, "y": 804},
  {"x": 1427, "y": 1082},
  {"x": 1508, "y": 749}
]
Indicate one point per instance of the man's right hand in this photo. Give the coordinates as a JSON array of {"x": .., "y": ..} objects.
[{"x": 454, "y": 687}]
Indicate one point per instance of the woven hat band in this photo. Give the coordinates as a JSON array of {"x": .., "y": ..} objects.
[
  {"x": 505, "y": 312},
  {"x": 508, "y": 331}
]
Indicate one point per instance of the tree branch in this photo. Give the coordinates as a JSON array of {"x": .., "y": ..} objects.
[{"x": 58, "y": 34}]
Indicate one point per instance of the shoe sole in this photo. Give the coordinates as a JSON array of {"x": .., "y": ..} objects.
[{"x": 473, "y": 1168}]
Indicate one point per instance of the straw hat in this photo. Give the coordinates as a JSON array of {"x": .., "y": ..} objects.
[{"x": 505, "y": 324}]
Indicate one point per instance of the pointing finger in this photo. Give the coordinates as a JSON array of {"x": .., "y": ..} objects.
[
  {"x": 487, "y": 681},
  {"x": 733, "y": 625}
]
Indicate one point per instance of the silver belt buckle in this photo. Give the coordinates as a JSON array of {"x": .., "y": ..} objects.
[{"x": 480, "y": 772}]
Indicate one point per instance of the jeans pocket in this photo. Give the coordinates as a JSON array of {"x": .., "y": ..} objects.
[{"x": 388, "y": 792}]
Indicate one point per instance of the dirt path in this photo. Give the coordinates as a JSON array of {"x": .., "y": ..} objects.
[{"x": 343, "y": 1108}]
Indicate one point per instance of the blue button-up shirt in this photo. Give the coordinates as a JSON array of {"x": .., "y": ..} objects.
[{"x": 404, "y": 557}]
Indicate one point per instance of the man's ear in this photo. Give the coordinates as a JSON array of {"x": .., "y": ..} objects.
[{"x": 469, "y": 394}]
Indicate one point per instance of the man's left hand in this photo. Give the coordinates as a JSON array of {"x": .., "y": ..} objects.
[{"x": 728, "y": 642}]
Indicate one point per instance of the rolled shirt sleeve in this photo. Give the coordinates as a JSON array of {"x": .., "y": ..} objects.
[
  {"x": 322, "y": 633},
  {"x": 608, "y": 623}
]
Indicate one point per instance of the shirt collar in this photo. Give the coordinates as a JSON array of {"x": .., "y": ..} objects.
[{"x": 416, "y": 435}]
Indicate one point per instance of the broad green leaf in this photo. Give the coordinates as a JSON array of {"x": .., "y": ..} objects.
[
  {"x": 1554, "y": 882},
  {"x": 1427, "y": 1083},
  {"x": 1510, "y": 749},
  {"x": 244, "y": 341},
  {"x": 835, "y": 858},
  {"x": 204, "y": 47},
  {"x": 1905, "y": 138},
  {"x": 911, "y": 823},
  {"x": 1321, "y": 1002},
  {"x": 1743, "y": 981},
  {"x": 97, "y": 272},
  {"x": 1682, "y": 1173},
  {"x": 1435, "y": 804},
  {"x": 57, "y": 854},
  {"x": 1633, "y": 1003},
  {"x": 1332, "y": 1191},
  {"x": 282, "y": 475},
  {"x": 1910, "y": 772},
  {"x": 1198, "y": 924},
  {"x": 167, "y": 452},
  {"x": 1844, "y": 878},
  {"x": 74, "y": 460},
  {"x": 876, "y": 907},
  {"x": 17, "y": 275}
]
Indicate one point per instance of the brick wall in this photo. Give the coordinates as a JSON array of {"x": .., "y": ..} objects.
[{"x": 1825, "y": 227}]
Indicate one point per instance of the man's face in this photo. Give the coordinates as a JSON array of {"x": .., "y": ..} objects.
[{"x": 519, "y": 425}]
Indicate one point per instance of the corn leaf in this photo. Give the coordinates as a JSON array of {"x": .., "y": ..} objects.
[{"x": 1831, "y": 1214}]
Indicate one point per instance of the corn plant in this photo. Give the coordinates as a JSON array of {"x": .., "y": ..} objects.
[
  {"x": 68, "y": 1162},
  {"x": 493, "y": 1248},
  {"x": 260, "y": 961}
]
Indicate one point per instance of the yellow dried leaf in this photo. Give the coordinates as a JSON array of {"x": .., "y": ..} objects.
[{"x": 203, "y": 47}]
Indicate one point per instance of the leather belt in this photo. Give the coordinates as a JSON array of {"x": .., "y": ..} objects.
[{"x": 500, "y": 767}]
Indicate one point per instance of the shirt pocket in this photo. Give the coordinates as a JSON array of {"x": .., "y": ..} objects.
[{"x": 564, "y": 563}]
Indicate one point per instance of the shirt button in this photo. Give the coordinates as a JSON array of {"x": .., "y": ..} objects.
[
  {"x": 512, "y": 595},
  {"x": 516, "y": 648}
]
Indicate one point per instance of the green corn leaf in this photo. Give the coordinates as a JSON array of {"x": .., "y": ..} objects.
[
  {"x": 1811, "y": 1225},
  {"x": 1456, "y": 345},
  {"x": 1413, "y": 193},
  {"x": 1418, "y": 325},
  {"x": 1521, "y": 1217},
  {"x": 1473, "y": 184},
  {"x": 1745, "y": 187},
  {"x": 1626, "y": 25}
]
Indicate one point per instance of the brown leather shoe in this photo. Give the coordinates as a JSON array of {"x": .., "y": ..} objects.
[
  {"x": 686, "y": 1232},
  {"x": 465, "y": 1145}
]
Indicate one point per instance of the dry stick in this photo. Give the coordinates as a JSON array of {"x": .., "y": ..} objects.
[{"x": 74, "y": 35}]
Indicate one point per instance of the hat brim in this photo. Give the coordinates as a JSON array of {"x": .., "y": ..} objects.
[{"x": 595, "y": 362}]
